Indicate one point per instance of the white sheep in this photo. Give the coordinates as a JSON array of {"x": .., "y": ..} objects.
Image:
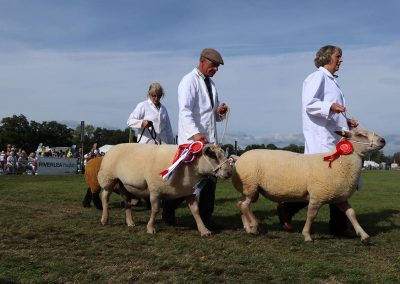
[
  {"x": 137, "y": 167},
  {"x": 292, "y": 177}
]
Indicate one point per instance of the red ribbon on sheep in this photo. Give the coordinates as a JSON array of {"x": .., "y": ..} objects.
[
  {"x": 344, "y": 147},
  {"x": 186, "y": 154}
]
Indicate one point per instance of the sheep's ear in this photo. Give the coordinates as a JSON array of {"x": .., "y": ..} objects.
[
  {"x": 343, "y": 133},
  {"x": 209, "y": 152}
]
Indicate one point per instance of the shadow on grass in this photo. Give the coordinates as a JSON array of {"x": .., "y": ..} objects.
[
  {"x": 379, "y": 222},
  {"x": 373, "y": 223},
  {"x": 222, "y": 201}
]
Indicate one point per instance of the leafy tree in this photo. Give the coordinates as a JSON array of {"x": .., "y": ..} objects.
[
  {"x": 88, "y": 138},
  {"x": 294, "y": 148},
  {"x": 15, "y": 130},
  {"x": 228, "y": 148},
  {"x": 55, "y": 134},
  {"x": 105, "y": 136},
  {"x": 101, "y": 136},
  {"x": 271, "y": 147},
  {"x": 396, "y": 158},
  {"x": 35, "y": 138},
  {"x": 254, "y": 146},
  {"x": 88, "y": 133},
  {"x": 376, "y": 156}
]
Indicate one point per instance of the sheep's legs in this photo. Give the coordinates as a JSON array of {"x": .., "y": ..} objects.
[
  {"x": 155, "y": 207},
  {"x": 87, "y": 199},
  {"x": 105, "y": 198},
  {"x": 128, "y": 211},
  {"x": 194, "y": 208},
  {"x": 351, "y": 214},
  {"x": 312, "y": 212},
  {"x": 250, "y": 222}
]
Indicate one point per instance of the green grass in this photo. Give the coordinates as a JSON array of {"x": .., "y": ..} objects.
[{"x": 47, "y": 236}]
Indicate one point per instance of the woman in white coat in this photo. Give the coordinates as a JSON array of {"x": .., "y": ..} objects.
[
  {"x": 323, "y": 111},
  {"x": 152, "y": 114},
  {"x": 151, "y": 119}
]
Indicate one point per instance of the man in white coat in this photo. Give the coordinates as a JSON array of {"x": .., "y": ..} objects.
[
  {"x": 199, "y": 110},
  {"x": 323, "y": 111}
]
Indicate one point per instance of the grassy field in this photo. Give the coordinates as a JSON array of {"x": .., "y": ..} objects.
[{"x": 47, "y": 236}]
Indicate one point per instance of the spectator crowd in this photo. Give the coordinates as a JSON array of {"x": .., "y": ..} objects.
[{"x": 15, "y": 160}]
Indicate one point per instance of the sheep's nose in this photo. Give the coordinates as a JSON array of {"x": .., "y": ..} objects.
[{"x": 382, "y": 140}]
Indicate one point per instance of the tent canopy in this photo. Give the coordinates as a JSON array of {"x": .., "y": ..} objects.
[{"x": 105, "y": 148}]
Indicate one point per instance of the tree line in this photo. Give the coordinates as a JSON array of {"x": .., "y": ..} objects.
[{"x": 18, "y": 131}]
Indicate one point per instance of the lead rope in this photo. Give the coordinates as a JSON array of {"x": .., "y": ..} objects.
[
  {"x": 226, "y": 125},
  {"x": 347, "y": 114},
  {"x": 153, "y": 134}
]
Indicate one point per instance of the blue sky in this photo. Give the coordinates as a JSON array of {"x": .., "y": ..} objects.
[{"x": 93, "y": 60}]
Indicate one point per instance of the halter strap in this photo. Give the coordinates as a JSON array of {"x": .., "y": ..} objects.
[
  {"x": 363, "y": 143},
  {"x": 230, "y": 160}
]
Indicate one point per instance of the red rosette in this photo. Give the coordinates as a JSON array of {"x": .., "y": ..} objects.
[
  {"x": 344, "y": 147},
  {"x": 196, "y": 147},
  {"x": 193, "y": 149}
]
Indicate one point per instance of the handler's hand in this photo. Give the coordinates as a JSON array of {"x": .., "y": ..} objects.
[
  {"x": 337, "y": 108},
  {"x": 146, "y": 123},
  {"x": 222, "y": 108},
  {"x": 200, "y": 137},
  {"x": 353, "y": 123}
]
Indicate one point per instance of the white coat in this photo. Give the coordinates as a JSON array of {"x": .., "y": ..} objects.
[
  {"x": 320, "y": 91},
  {"x": 196, "y": 114},
  {"x": 146, "y": 110}
]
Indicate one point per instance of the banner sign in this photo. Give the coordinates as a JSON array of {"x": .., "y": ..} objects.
[{"x": 56, "y": 166}]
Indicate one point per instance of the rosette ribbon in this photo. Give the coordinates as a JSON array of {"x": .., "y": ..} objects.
[
  {"x": 344, "y": 147},
  {"x": 186, "y": 154}
]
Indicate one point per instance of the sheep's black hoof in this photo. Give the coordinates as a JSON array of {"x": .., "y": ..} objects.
[
  {"x": 85, "y": 204},
  {"x": 206, "y": 234},
  {"x": 310, "y": 242},
  {"x": 367, "y": 241}
]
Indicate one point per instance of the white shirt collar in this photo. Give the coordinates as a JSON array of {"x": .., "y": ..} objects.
[
  {"x": 326, "y": 72},
  {"x": 152, "y": 104},
  {"x": 199, "y": 73}
]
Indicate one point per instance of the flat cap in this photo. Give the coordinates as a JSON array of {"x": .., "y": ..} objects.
[{"x": 212, "y": 55}]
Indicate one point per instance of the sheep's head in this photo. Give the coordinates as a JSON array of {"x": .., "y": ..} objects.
[
  {"x": 213, "y": 162},
  {"x": 363, "y": 140}
]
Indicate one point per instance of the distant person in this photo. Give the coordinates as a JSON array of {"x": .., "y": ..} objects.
[
  {"x": 2, "y": 160},
  {"x": 32, "y": 163},
  {"x": 151, "y": 118},
  {"x": 199, "y": 110},
  {"x": 323, "y": 112},
  {"x": 22, "y": 162},
  {"x": 12, "y": 163}
]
